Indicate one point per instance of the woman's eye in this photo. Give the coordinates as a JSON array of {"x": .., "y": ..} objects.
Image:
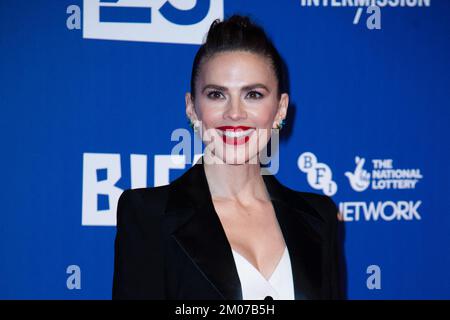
[
  {"x": 254, "y": 95},
  {"x": 215, "y": 95}
]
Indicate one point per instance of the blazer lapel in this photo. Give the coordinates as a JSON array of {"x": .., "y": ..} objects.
[
  {"x": 199, "y": 232},
  {"x": 191, "y": 219},
  {"x": 300, "y": 225}
]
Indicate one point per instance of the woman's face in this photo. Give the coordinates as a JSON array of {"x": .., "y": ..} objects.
[{"x": 237, "y": 104}]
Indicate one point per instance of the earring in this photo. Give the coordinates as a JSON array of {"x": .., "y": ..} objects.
[
  {"x": 280, "y": 124},
  {"x": 192, "y": 125}
]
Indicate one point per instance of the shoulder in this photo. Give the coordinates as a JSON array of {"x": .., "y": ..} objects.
[
  {"x": 142, "y": 198},
  {"x": 322, "y": 204},
  {"x": 141, "y": 205}
]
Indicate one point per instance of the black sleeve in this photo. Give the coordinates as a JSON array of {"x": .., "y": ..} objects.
[
  {"x": 138, "y": 270},
  {"x": 336, "y": 263},
  {"x": 124, "y": 273}
]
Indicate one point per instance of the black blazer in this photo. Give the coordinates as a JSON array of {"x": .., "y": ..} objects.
[{"x": 170, "y": 243}]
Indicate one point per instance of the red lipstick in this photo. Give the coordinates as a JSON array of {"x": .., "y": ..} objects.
[{"x": 236, "y": 135}]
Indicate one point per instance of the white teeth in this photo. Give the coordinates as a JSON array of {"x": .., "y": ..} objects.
[{"x": 238, "y": 134}]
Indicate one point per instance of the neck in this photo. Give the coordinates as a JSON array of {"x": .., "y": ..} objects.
[{"x": 242, "y": 183}]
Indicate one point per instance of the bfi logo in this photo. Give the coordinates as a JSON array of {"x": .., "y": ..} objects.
[
  {"x": 102, "y": 171},
  {"x": 319, "y": 175},
  {"x": 166, "y": 21}
]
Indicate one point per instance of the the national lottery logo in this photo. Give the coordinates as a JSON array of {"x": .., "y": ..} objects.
[
  {"x": 359, "y": 179},
  {"x": 167, "y": 21},
  {"x": 383, "y": 176}
]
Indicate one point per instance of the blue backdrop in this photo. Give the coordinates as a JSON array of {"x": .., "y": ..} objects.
[{"x": 91, "y": 92}]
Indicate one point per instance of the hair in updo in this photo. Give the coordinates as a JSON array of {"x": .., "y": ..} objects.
[{"x": 238, "y": 33}]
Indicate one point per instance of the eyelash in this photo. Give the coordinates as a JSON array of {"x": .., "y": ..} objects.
[{"x": 211, "y": 94}]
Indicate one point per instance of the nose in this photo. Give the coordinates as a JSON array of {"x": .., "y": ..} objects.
[{"x": 235, "y": 110}]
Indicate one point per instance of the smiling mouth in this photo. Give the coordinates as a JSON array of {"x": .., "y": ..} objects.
[{"x": 235, "y": 135}]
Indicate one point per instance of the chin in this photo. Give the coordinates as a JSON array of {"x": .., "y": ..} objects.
[{"x": 237, "y": 157}]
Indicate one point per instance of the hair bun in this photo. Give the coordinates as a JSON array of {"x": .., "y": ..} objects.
[
  {"x": 241, "y": 21},
  {"x": 215, "y": 22}
]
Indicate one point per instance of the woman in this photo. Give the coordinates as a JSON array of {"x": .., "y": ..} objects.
[{"x": 222, "y": 230}]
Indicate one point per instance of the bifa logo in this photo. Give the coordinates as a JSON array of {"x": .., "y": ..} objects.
[
  {"x": 101, "y": 173},
  {"x": 381, "y": 210},
  {"x": 168, "y": 21}
]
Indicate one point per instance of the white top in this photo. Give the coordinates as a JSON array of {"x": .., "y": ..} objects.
[{"x": 280, "y": 285}]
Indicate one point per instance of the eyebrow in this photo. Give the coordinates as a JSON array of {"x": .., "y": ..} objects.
[{"x": 245, "y": 88}]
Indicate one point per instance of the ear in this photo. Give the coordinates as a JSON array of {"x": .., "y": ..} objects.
[
  {"x": 283, "y": 105},
  {"x": 190, "y": 108}
]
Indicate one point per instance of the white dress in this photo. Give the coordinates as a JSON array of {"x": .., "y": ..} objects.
[{"x": 280, "y": 285}]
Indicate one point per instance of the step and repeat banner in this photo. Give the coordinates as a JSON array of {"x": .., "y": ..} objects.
[{"x": 92, "y": 103}]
